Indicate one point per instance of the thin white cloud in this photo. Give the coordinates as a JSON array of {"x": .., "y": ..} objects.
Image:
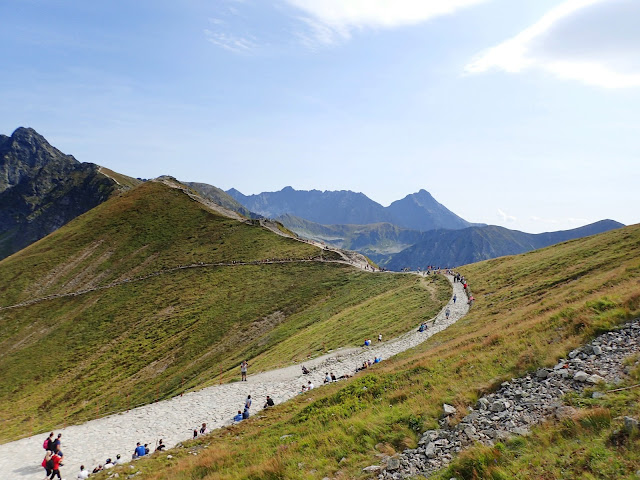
[
  {"x": 505, "y": 217},
  {"x": 558, "y": 221},
  {"x": 331, "y": 21},
  {"x": 232, "y": 43},
  {"x": 596, "y": 42}
]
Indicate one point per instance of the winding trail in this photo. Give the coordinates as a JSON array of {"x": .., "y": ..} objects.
[{"x": 173, "y": 420}]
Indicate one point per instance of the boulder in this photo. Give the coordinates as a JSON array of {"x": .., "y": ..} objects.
[
  {"x": 448, "y": 409},
  {"x": 595, "y": 379},
  {"x": 393, "y": 464},
  {"x": 542, "y": 373},
  {"x": 630, "y": 424},
  {"x": 581, "y": 376}
]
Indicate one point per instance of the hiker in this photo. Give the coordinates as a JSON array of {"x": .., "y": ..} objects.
[
  {"x": 47, "y": 463},
  {"x": 327, "y": 378},
  {"x": 422, "y": 327},
  {"x": 98, "y": 469},
  {"x": 247, "y": 406},
  {"x": 455, "y": 297},
  {"x": 48, "y": 443},
  {"x": 243, "y": 370},
  {"x": 303, "y": 389},
  {"x": 57, "y": 443},
  {"x": 333, "y": 377},
  {"x": 118, "y": 460},
  {"x": 108, "y": 464},
  {"x": 379, "y": 337},
  {"x": 161, "y": 446},
  {"x": 377, "y": 360},
  {"x": 269, "y": 402},
  {"x": 309, "y": 385},
  {"x": 146, "y": 449},
  {"x": 305, "y": 370},
  {"x": 138, "y": 452},
  {"x": 83, "y": 474},
  {"x": 447, "y": 313},
  {"x": 238, "y": 417},
  {"x": 56, "y": 461},
  {"x": 195, "y": 433},
  {"x": 203, "y": 429}
]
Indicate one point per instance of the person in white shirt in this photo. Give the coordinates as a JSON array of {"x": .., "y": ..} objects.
[
  {"x": 83, "y": 473},
  {"x": 309, "y": 385}
]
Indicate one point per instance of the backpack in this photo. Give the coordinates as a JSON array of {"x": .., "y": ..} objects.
[{"x": 45, "y": 445}]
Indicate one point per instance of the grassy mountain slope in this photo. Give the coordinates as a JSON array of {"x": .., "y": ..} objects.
[
  {"x": 474, "y": 244},
  {"x": 41, "y": 188},
  {"x": 530, "y": 310},
  {"x": 68, "y": 359}
]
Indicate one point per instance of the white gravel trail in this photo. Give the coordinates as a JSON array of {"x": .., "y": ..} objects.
[{"x": 174, "y": 420}]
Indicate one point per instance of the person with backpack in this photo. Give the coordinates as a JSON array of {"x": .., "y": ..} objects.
[
  {"x": 48, "y": 443},
  {"x": 47, "y": 463},
  {"x": 56, "y": 463}
]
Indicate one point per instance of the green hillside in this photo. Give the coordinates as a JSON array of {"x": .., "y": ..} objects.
[
  {"x": 531, "y": 309},
  {"x": 151, "y": 330}
]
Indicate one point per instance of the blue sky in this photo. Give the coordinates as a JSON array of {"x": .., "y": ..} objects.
[{"x": 519, "y": 113}]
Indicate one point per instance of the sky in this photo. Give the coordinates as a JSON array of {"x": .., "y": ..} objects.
[{"x": 520, "y": 113}]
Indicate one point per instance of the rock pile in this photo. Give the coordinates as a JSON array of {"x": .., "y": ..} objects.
[{"x": 520, "y": 403}]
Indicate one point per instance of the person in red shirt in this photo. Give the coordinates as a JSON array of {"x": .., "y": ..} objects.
[{"x": 57, "y": 463}]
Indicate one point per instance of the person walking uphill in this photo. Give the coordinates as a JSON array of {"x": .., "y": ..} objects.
[{"x": 243, "y": 370}]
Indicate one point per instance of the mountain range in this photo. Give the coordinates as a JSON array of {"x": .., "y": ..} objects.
[{"x": 418, "y": 211}]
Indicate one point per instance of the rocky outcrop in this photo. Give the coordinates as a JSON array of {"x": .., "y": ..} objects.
[
  {"x": 41, "y": 189},
  {"x": 521, "y": 403}
]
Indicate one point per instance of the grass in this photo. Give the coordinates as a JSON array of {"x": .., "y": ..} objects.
[
  {"x": 138, "y": 342},
  {"x": 530, "y": 310}
]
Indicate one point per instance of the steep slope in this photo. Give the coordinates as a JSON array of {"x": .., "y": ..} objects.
[
  {"x": 474, "y": 244},
  {"x": 418, "y": 211},
  {"x": 41, "y": 189},
  {"x": 530, "y": 310},
  {"x": 152, "y": 293},
  {"x": 220, "y": 197}
]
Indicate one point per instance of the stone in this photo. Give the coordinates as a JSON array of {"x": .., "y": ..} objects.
[
  {"x": 498, "y": 406},
  {"x": 630, "y": 424},
  {"x": 393, "y": 463},
  {"x": 430, "y": 451},
  {"x": 595, "y": 379},
  {"x": 522, "y": 431},
  {"x": 470, "y": 431},
  {"x": 448, "y": 409},
  {"x": 483, "y": 404},
  {"x": 542, "y": 373},
  {"x": 597, "y": 350},
  {"x": 597, "y": 395},
  {"x": 372, "y": 468},
  {"x": 581, "y": 376}
]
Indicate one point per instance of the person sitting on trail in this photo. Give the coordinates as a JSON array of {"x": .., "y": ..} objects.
[
  {"x": 195, "y": 433},
  {"x": 305, "y": 370},
  {"x": 118, "y": 460},
  {"x": 238, "y": 417},
  {"x": 367, "y": 342},
  {"x": 108, "y": 464},
  {"x": 422, "y": 328},
  {"x": 146, "y": 449},
  {"x": 309, "y": 385},
  {"x": 203, "y": 429},
  {"x": 161, "y": 446},
  {"x": 269, "y": 402},
  {"x": 303, "y": 389},
  {"x": 447, "y": 313},
  {"x": 139, "y": 451},
  {"x": 333, "y": 377},
  {"x": 83, "y": 474},
  {"x": 98, "y": 469},
  {"x": 377, "y": 360},
  {"x": 327, "y": 378}
]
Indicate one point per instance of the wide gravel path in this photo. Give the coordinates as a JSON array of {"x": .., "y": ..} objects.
[{"x": 174, "y": 420}]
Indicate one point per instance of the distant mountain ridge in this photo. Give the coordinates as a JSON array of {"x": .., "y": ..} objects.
[
  {"x": 418, "y": 211},
  {"x": 41, "y": 189},
  {"x": 452, "y": 248}
]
